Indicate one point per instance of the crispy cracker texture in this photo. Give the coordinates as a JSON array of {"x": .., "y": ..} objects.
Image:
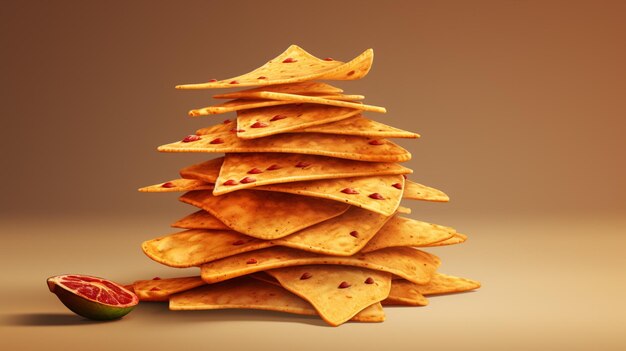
[
  {"x": 292, "y": 66},
  {"x": 337, "y": 292},
  {"x": 411, "y": 264},
  {"x": 247, "y": 293},
  {"x": 265, "y": 215},
  {"x": 341, "y": 146},
  {"x": 262, "y": 122},
  {"x": 300, "y": 212},
  {"x": 275, "y": 168}
]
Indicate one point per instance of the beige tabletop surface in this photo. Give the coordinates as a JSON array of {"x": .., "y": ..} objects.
[{"x": 548, "y": 283}]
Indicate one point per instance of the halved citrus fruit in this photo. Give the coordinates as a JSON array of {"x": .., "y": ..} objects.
[{"x": 93, "y": 297}]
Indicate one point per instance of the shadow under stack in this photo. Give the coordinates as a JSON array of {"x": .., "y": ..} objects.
[{"x": 302, "y": 213}]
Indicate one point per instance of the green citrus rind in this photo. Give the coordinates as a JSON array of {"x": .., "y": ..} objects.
[{"x": 88, "y": 308}]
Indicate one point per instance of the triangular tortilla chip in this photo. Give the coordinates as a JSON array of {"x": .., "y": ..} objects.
[
  {"x": 273, "y": 168},
  {"x": 405, "y": 293},
  {"x": 246, "y": 293},
  {"x": 374, "y": 193},
  {"x": 200, "y": 220},
  {"x": 343, "y": 235},
  {"x": 246, "y": 104},
  {"x": 161, "y": 289},
  {"x": 292, "y": 66},
  {"x": 207, "y": 171},
  {"x": 262, "y": 122},
  {"x": 446, "y": 284},
  {"x": 266, "y": 99},
  {"x": 457, "y": 238},
  {"x": 337, "y": 292},
  {"x": 227, "y": 126},
  {"x": 400, "y": 231},
  {"x": 303, "y": 88},
  {"x": 340, "y": 146},
  {"x": 359, "y": 125},
  {"x": 197, "y": 246},
  {"x": 402, "y": 292},
  {"x": 416, "y": 191},
  {"x": 411, "y": 264},
  {"x": 403, "y": 210},
  {"x": 265, "y": 215},
  {"x": 177, "y": 185}
]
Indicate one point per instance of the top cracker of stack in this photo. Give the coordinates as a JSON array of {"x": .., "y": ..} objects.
[{"x": 302, "y": 214}]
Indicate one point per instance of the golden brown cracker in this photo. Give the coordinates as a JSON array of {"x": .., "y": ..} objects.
[
  {"x": 158, "y": 289},
  {"x": 197, "y": 246},
  {"x": 259, "y": 102},
  {"x": 337, "y": 292},
  {"x": 207, "y": 171},
  {"x": 200, "y": 220},
  {"x": 177, "y": 185},
  {"x": 359, "y": 125},
  {"x": 416, "y": 191},
  {"x": 340, "y": 146},
  {"x": 247, "y": 293},
  {"x": 411, "y": 264},
  {"x": 400, "y": 231},
  {"x": 302, "y": 88},
  {"x": 380, "y": 194},
  {"x": 262, "y": 122},
  {"x": 272, "y": 168},
  {"x": 265, "y": 215},
  {"x": 292, "y": 66}
]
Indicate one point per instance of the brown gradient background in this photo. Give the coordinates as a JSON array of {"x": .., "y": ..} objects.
[{"x": 520, "y": 104}]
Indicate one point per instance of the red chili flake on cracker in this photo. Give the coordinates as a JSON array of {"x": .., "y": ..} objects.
[
  {"x": 376, "y": 142},
  {"x": 212, "y": 80},
  {"x": 233, "y": 82},
  {"x": 289, "y": 60},
  {"x": 305, "y": 276},
  {"x": 397, "y": 185},
  {"x": 230, "y": 182},
  {"x": 247, "y": 180},
  {"x": 302, "y": 164},
  {"x": 168, "y": 185},
  {"x": 344, "y": 285},
  {"x": 262, "y": 77},
  {"x": 258, "y": 124},
  {"x": 354, "y": 233},
  {"x": 217, "y": 141},
  {"x": 329, "y": 59},
  {"x": 190, "y": 138},
  {"x": 273, "y": 167},
  {"x": 226, "y": 121},
  {"x": 369, "y": 280},
  {"x": 278, "y": 118},
  {"x": 156, "y": 278},
  {"x": 255, "y": 171},
  {"x": 251, "y": 261},
  {"x": 376, "y": 196},
  {"x": 239, "y": 242},
  {"x": 349, "y": 191}
]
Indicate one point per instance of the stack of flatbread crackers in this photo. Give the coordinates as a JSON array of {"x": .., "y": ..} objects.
[{"x": 302, "y": 214}]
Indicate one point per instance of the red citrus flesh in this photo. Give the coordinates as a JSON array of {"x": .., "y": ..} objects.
[{"x": 93, "y": 297}]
